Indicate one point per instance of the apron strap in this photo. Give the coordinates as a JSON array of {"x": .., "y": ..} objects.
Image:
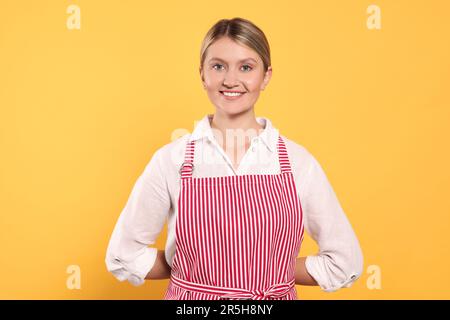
[
  {"x": 187, "y": 167},
  {"x": 283, "y": 157}
]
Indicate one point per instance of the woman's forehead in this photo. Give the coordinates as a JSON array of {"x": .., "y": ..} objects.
[
  {"x": 227, "y": 50},
  {"x": 249, "y": 59}
]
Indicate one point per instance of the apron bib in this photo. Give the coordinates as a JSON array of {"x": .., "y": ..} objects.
[{"x": 237, "y": 237}]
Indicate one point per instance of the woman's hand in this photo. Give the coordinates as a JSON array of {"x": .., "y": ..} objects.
[
  {"x": 302, "y": 276},
  {"x": 160, "y": 270}
]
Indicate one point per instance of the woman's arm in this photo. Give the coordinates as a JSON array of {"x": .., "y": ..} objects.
[
  {"x": 160, "y": 270},
  {"x": 339, "y": 262},
  {"x": 302, "y": 276},
  {"x": 128, "y": 256}
]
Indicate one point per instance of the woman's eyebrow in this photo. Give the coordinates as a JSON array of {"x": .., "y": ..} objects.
[{"x": 218, "y": 59}]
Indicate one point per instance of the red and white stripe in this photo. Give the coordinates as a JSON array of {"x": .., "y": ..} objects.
[{"x": 237, "y": 237}]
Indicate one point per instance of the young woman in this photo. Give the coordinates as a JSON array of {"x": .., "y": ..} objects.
[{"x": 237, "y": 196}]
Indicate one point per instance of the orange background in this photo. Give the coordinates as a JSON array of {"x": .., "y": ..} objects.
[{"x": 82, "y": 111}]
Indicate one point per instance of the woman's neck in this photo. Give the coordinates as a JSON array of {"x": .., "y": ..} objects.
[{"x": 244, "y": 122}]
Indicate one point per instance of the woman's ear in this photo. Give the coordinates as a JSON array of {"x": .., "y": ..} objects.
[
  {"x": 201, "y": 76},
  {"x": 267, "y": 77}
]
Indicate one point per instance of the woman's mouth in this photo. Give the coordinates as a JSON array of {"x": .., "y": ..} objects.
[{"x": 232, "y": 95}]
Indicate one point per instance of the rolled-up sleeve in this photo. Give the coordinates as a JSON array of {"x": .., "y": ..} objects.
[
  {"x": 128, "y": 256},
  {"x": 339, "y": 262}
]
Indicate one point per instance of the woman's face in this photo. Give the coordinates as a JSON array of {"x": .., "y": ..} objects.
[{"x": 230, "y": 66}]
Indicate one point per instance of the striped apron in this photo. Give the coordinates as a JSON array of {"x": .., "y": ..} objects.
[{"x": 237, "y": 237}]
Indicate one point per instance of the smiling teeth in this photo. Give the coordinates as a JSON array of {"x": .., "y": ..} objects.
[{"x": 232, "y": 94}]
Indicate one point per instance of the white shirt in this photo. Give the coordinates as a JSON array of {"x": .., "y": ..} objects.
[{"x": 153, "y": 202}]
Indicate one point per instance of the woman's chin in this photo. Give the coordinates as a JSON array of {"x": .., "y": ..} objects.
[{"x": 231, "y": 110}]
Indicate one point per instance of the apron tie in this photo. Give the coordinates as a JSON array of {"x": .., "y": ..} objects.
[{"x": 274, "y": 291}]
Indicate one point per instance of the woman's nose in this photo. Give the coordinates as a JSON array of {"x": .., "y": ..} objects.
[{"x": 230, "y": 79}]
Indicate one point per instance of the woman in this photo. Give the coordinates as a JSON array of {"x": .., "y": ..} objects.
[{"x": 237, "y": 195}]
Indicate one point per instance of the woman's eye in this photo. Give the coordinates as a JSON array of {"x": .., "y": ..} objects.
[
  {"x": 249, "y": 67},
  {"x": 214, "y": 66}
]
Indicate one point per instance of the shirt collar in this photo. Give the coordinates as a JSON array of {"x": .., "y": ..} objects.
[{"x": 269, "y": 135}]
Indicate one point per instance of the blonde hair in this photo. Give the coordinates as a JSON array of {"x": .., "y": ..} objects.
[{"x": 242, "y": 31}]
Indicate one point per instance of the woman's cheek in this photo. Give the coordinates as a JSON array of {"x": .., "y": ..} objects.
[
  {"x": 253, "y": 84},
  {"x": 215, "y": 77}
]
